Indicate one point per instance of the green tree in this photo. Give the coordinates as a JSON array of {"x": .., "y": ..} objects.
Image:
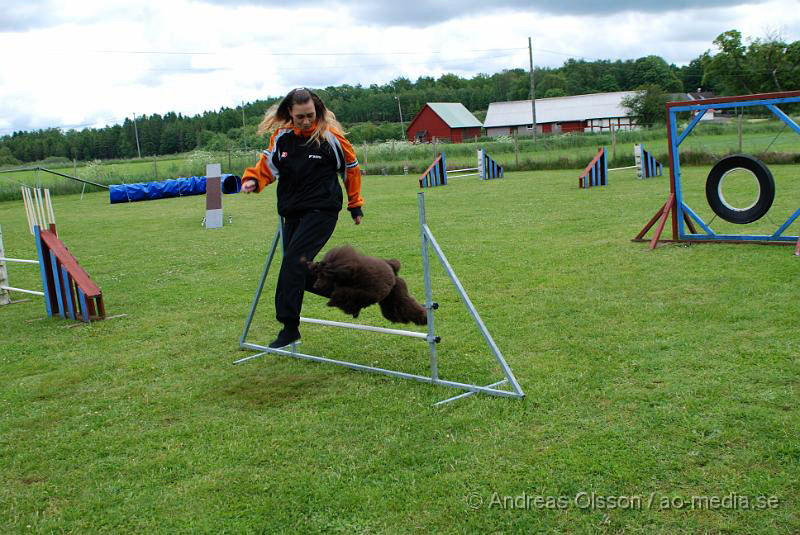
[
  {"x": 647, "y": 105},
  {"x": 6, "y": 158},
  {"x": 730, "y": 67}
]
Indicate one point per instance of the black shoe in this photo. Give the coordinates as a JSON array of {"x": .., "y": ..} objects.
[{"x": 287, "y": 336}]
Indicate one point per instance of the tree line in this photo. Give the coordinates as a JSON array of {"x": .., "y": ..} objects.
[{"x": 373, "y": 113}]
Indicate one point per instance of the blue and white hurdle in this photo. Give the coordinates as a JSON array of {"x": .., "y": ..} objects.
[
  {"x": 596, "y": 173},
  {"x": 646, "y": 164},
  {"x": 437, "y": 174},
  {"x": 487, "y": 167}
]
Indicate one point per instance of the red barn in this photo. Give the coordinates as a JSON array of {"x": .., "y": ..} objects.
[{"x": 443, "y": 120}]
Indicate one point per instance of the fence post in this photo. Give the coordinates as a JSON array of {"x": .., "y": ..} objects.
[
  {"x": 613, "y": 143},
  {"x": 5, "y": 297}
]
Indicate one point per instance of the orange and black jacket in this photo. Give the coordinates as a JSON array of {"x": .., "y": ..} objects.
[{"x": 307, "y": 172}]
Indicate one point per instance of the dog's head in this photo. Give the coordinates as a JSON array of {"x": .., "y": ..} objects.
[
  {"x": 323, "y": 278},
  {"x": 327, "y": 274}
]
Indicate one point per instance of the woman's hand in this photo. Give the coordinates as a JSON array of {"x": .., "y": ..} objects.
[
  {"x": 248, "y": 186},
  {"x": 357, "y": 220}
]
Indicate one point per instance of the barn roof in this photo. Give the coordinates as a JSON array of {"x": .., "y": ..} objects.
[
  {"x": 558, "y": 109},
  {"x": 455, "y": 114}
]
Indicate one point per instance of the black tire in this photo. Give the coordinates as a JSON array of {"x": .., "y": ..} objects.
[{"x": 766, "y": 186}]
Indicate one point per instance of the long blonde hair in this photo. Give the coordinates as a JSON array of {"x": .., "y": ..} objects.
[{"x": 279, "y": 115}]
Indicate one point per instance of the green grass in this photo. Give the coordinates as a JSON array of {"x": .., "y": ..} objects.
[
  {"x": 657, "y": 374},
  {"x": 767, "y": 139}
]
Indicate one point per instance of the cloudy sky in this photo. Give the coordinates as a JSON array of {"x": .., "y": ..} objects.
[{"x": 92, "y": 63}]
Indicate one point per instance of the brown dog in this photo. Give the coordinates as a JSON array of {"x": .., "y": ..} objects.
[{"x": 354, "y": 281}]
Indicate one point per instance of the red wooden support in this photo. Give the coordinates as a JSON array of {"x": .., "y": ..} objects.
[
  {"x": 94, "y": 308},
  {"x": 797, "y": 249},
  {"x": 670, "y": 205},
  {"x": 662, "y": 214}
]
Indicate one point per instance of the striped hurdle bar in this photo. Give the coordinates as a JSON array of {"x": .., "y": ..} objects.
[
  {"x": 68, "y": 289},
  {"x": 596, "y": 173},
  {"x": 436, "y": 174},
  {"x": 646, "y": 164},
  {"x": 488, "y": 168}
]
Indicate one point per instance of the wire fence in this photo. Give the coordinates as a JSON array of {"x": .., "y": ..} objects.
[{"x": 767, "y": 139}]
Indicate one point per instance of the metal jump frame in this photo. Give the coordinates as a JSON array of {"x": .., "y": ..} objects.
[
  {"x": 681, "y": 213},
  {"x": 428, "y": 241}
]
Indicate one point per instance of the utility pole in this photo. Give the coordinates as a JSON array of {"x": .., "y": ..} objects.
[
  {"x": 400, "y": 109},
  {"x": 244, "y": 138},
  {"x": 533, "y": 89},
  {"x": 136, "y": 131}
]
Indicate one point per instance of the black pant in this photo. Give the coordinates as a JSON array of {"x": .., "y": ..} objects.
[{"x": 303, "y": 237}]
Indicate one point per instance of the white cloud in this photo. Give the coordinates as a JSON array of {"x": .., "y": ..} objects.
[{"x": 78, "y": 65}]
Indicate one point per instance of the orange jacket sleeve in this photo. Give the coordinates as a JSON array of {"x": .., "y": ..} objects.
[
  {"x": 352, "y": 178},
  {"x": 264, "y": 172}
]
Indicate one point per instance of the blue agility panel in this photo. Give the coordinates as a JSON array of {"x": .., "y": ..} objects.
[
  {"x": 436, "y": 174},
  {"x": 84, "y": 306},
  {"x": 44, "y": 263},
  {"x": 596, "y": 172},
  {"x": 178, "y": 187},
  {"x": 68, "y": 291},
  {"x": 487, "y": 167},
  {"x": 57, "y": 279},
  {"x": 646, "y": 164}
]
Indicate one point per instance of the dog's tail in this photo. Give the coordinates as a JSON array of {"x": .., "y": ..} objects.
[
  {"x": 400, "y": 307},
  {"x": 395, "y": 263}
]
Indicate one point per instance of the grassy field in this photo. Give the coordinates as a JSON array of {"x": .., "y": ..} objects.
[
  {"x": 767, "y": 139},
  {"x": 651, "y": 376}
]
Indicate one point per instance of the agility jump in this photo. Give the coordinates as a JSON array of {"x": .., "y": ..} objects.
[
  {"x": 68, "y": 290},
  {"x": 683, "y": 217},
  {"x": 596, "y": 173},
  {"x": 646, "y": 164},
  {"x": 430, "y": 337},
  {"x": 438, "y": 175}
]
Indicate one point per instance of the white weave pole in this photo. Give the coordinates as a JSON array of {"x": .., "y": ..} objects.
[
  {"x": 38, "y": 208},
  {"x": 50, "y": 206},
  {"x": 26, "y": 193}
]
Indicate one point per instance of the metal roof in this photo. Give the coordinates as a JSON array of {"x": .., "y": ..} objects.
[
  {"x": 558, "y": 109},
  {"x": 455, "y": 114}
]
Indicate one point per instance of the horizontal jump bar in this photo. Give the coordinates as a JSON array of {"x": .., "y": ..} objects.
[
  {"x": 12, "y": 289},
  {"x": 621, "y": 168},
  {"x": 358, "y": 327},
  {"x": 360, "y": 367},
  {"x": 19, "y": 260},
  {"x": 467, "y": 169}
]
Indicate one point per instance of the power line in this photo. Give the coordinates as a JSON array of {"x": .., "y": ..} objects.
[{"x": 240, "y": 53}]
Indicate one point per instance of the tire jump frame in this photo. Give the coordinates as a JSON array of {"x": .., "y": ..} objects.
[
  {"x": 430, "y": 337},
  {"x": 683, "y": 217}
]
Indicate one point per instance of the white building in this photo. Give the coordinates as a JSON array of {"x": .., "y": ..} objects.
[{"x": 579, "y": 113}]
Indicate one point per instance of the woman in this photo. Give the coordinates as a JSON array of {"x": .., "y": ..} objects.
[{"x": 306, "y": 152}]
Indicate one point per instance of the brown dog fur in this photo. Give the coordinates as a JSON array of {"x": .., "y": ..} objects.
[{"x": 355, "y": 281}]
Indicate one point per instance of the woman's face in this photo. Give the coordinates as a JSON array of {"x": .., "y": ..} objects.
[{"x": 303, "y": 115}]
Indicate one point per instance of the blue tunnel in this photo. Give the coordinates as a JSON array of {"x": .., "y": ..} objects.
[{"x": 177, "y": 187}]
